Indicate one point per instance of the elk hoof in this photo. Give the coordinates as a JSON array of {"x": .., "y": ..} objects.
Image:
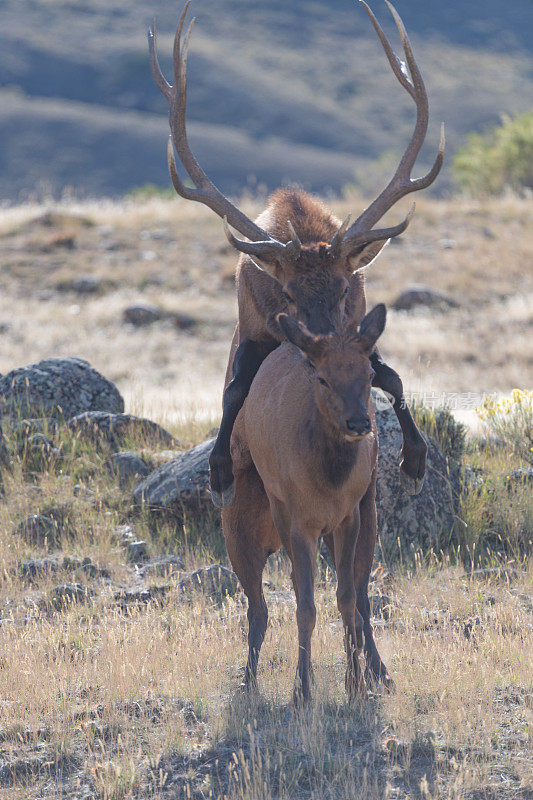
[
  {"x": 410, "y": 485},
  {"x": 225, "y": 498}
]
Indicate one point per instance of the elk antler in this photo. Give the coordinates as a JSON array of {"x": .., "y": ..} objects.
[
  {"x": 264, "y": 245},
  {"x": 401, "y": 184}
]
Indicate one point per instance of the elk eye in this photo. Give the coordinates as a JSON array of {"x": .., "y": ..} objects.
[
  {"x": 322, "y": 382},
  {"x": 345, "y": 292},
  {"x": 287, "y": 296}
]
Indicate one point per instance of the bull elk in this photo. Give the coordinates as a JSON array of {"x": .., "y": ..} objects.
[
  {"x": 299, "y": 259},
  {"x": 305, "y": 455}
]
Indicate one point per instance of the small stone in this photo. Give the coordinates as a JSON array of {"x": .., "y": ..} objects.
[
  {"x": 142, "y": 314},
  {"x": 39, "y": 452},
  {"x": 81, "y": 284},
  {"x": 183, "y": 321},
  {"x": 448, "y": 244},
  {"x": 519, "y": 477},
  {"x": 380, "y": 606},
  {"x": 419, "y": 295},
  {"x": 127, "y": 466},
  {"x": 215, "y": 581},
  {"x": 38, "y": 568},
  {"x": 137, "y": 550},
  {"x": 162, "y": 567},
  {"x": 140, "y": 597},
  {"x": 38, "y": 530},
  {"x": 69, "y": 593},
  {"x": 125, "y": 534}
]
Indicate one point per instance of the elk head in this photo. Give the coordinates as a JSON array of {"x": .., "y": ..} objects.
[
  {"x": 340, "y": 370},
  {"x": 314, "y": 277}
]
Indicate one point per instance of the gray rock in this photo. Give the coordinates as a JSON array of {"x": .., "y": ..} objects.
[
  {"x": 380, "y": 606},
  {"x": 38, "y": 530},
  {"x": 114, "y": 428},
  {"x": 68, "y": 594},
  {"x": 406, "y": 523},
  {"x": 28, "y": 427},
  {"x": 127, "y": 466},
  {"x": 38, "y": 568},
  {"x": 409, "y": 523},
  {"x": 58, "y": 388},
  {"x": 137, "y": 550},
  {"x": 142, "y": 314},
  {"x": 215, "y": 581},
  {"x": 38, "y": 452},
  {"x": 181, "y": 483},
  {"x": 519, "y": 477},
  {"x": 82, "y": 284},
  {"x": 418, "y": 295},
  {"x": 141, "y": 597},
  {"x": 448, "y": 244},
  {"x": 162, "y": 567}
]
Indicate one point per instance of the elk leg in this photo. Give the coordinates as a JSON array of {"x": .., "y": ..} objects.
[
  {"x": 303, "y": 549},
  {"x": 248, "y": 358},
  {"x": 345, "y": 541},
  {"x": 414, "y": 448},
  {"x": 364, "y": 556},
  {"x": 249, "y": 544}
]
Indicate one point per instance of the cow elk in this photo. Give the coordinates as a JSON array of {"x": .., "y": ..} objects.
[
  {"x": 299, "y": 259},
  {"x": 305, "y": 454}
]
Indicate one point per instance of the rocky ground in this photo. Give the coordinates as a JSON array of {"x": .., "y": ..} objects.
[{"x": 122, "y": 628}]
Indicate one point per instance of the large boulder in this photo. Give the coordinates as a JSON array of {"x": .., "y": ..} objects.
[
  {"x": 57, "y": 387},
  {"x": 100, "y": 426},
  {"x": 180, "y": 484},
  {"x": 405, "y": 523}
]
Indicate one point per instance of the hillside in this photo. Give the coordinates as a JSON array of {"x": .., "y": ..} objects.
[{"x": 278, "y": 92}]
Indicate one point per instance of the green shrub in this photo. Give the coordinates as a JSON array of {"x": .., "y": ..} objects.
[
  {"x": 502, "y": 158},
  {"x": 510, "y": 421},
  {"x": 441, "y": 425}
]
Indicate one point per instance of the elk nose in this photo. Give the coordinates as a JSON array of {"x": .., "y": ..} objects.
[{"x": 359, "y": 426}]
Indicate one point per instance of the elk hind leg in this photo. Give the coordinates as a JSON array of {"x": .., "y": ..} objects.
[
  {"x": 414, "y": 447},
  {"x": 247, "y": 360},
  {"x": 250, "y": 538}
]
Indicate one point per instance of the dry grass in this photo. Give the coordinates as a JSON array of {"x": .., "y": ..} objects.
[
  {"x": 111, "y": 703},
  {"x": 105, "y": 703},
  {"x": 174, "y": 255}
]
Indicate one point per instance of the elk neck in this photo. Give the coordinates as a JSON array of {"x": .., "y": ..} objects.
[{"x": 330, "y": 456}]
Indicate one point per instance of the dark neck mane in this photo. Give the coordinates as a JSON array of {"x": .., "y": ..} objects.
[{"x": 334, "y": 456}]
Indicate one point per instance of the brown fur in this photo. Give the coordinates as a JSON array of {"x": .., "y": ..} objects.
[{"x": 293, "y": 429}]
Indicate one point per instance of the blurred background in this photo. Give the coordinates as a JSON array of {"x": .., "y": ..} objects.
[{"x": 279, "y": 92}]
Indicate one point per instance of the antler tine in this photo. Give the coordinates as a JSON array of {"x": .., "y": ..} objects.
[
  {"x": 164, "y": 87},
  {"x": 295, "y": 241},
  {"x": 266, "y": 250},
  {"x": 401, "y": 182},
  {"x": 398, "y": 66},
  {"x": 379, "y": 234},
  {"x": 338, "y": 237},
  {"x": 204, "y": 190}
]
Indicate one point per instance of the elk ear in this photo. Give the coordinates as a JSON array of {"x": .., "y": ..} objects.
[
  {"x": 367, "y": 254},
  {"x": 296, "y": 332},
  {"x": 373, "y": 326}
]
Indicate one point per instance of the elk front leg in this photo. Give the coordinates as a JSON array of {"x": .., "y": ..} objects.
[
  {"x": 248, "y": 358},
  {"x": 345, "y": 541},
  {"x": 303, "y": 547},
  {"x": 414, "y": 448}
]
